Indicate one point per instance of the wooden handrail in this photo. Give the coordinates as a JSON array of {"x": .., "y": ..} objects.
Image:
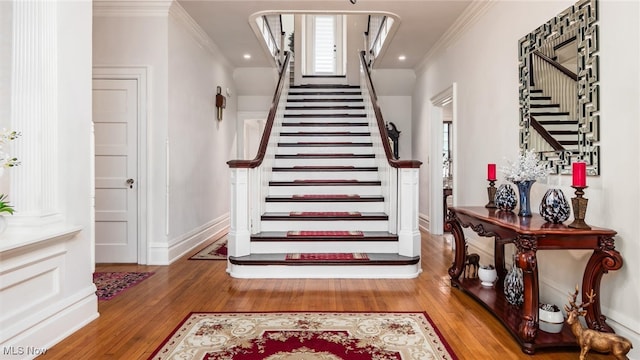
[
  {"x": 545, "y": 134},
  {"x": 262, "y": 150},
  {"x": 556, "y": 65},
  {"x": 381, "y": 125}
]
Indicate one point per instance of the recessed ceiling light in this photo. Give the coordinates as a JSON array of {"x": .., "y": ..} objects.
[
  {"x": 247, "y": 56},
  {"x": 402, "y": 58}
]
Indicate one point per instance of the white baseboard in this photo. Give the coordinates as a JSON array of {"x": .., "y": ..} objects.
[{"x": 165, "y": 254}]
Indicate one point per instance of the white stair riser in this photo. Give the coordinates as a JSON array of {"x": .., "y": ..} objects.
[
  {"x": 325, "y": 120},
  {"x": 378, "y": 247},
  {"x": 293, "y": 150},
  {"x": 324, "y": 139},
  {"x": 324, "y": 90},
  {"x": 561, "y": 138},
  {"x": 550, "y": 117},
  {"x": 325, "y": 103},
  {"x": 329, "y": 112},
  {"x": 324, "y": 206},
  {"x": 324, "y": 272},
  {"x": 320, "y": 225},
  {"x": 328, "y": 175},
  {"x": 321, "y": 129},
  {"x": 539, "y": 102},
  {"x": 324, "y": 162},
  {"x": 325, "y": 190},
  {"x": 560, "y": 127},
  {"x": 549, "y": 108},
  {"x": 324, "y": 96}
]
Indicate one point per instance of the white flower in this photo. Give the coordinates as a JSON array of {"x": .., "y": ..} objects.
[
  {"x": 7, "y": 160},
  {"x": 526, "y": 168}
]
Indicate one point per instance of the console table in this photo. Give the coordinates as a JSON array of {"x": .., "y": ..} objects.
[{"x": 530, "y": 234}]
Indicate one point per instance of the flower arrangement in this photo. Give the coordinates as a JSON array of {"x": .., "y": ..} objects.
[
  {"x": 527, "y": 167},
  {"x": 6, "y": 161}
]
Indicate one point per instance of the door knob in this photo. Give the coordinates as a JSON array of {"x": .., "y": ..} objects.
[{"x": 130, "y": 183}]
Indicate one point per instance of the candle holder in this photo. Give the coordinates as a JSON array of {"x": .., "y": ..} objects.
[
  {"x": 579, "y": 209},
  {"x": 491, "y": 193}
]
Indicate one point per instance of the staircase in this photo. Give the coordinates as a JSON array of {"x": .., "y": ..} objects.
[
  {"x": 324, "y": 202},
  {"x": 557, "y": 123}
]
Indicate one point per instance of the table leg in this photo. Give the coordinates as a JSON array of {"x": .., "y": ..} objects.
[
  {"x": 527, "y": 261},
  {"x": 601, "y": 261},
  {"x": 458, "y": 261}
]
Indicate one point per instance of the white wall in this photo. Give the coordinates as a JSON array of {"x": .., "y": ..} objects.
[{"x": 483, "y": 61}]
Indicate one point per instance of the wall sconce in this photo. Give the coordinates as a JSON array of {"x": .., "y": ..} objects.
[{"x": 221, "y": 102}]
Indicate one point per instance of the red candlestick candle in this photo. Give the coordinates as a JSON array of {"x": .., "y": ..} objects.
[
  {"x": 579, "y": 174},
  {"x": 491, "y": 172}
]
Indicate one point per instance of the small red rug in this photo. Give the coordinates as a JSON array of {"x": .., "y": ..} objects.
[
  {"x": 326, "y": 196},
  {"x": 328, "y": 256},
  {"x": 111, "y": 284},
  {"x": 305, "y": 335},
  {"x": 325, "y": 213},
  {"x": 215, "y": 251},
  {"x": 325, "y": 233}
]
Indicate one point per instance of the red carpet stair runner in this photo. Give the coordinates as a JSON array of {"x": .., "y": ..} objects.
[{"x": 324, "y": 204}]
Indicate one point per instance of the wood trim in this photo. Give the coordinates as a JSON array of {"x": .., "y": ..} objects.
[
  {"x": 406, "y": 164},
  {"x": 262, "y": 149}
]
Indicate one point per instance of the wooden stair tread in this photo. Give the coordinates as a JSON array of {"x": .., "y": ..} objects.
[
  {"x": 328, "y": 198},
  {"x": 314, "y": 100},
  {"x": 324, "y": 86},
  {"x": 322, "y": 143},
  {"x": 320, "y": 124},
  {"x": 325, "y": 107},
  {"x": 366, "y": 236},
  {"x": 324, "y": 156},
  {"x": 280, "y": 259},
  {"x": 326, "y": 182},
  {"x": 324, "y": 168},
  {"x": 364, "y": 216},
  {"x": 325, "y": 115},
  {"x": 325, "y": 133}
]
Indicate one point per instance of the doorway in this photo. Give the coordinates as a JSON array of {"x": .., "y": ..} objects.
[
  {"x": 119, "y": 122},
  {"x": 442, "y": 167},
  {"x": 324, "y": 45}
]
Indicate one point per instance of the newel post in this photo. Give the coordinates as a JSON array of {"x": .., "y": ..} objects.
[
  {"x": 240, "y": 227},
  {"x": 408, "y": 197}
]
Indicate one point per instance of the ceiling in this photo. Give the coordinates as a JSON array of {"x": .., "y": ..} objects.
[{"x": 421, "y": 24}]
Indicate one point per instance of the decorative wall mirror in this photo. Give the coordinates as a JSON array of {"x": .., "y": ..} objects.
[{"x": 559, "y": 89}]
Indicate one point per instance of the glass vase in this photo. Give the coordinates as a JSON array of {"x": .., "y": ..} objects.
[
  {"x": 505, "y": 199},
  {"x": 524, "y": 190},
  {"x": 554, "y": 207},
  {"x": 514, "y": 285}
]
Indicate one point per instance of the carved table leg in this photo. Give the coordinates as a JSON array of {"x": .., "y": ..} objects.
[
  {"x": 527, "y": 261},
  {"x": 602, "y": 260},
  {"x": 458, "y": 235}
]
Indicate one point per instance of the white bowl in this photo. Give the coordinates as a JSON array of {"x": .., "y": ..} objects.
[
  {"x": 487, "y": 276},
  {"x": 550, "y": 321}
]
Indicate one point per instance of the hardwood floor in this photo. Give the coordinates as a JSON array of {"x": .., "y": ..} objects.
[{"x": 135, "y": 323}]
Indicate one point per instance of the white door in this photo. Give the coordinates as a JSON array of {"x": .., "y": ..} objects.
[
  {"x": 326, "y": 45},
  {"x": 115, "y": 118}
]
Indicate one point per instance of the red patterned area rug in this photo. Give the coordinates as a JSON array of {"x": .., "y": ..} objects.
[
  {"x": 111, "y": 284},
  {"x": 309, "y": 336},
  {"x": 216, "y": 251}
]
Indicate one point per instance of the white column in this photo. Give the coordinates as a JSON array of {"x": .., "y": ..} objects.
[
  {"x": 408, "y": 231},
  {"x": 239, "y": 232},
  {"x": 34, "y": 112}
]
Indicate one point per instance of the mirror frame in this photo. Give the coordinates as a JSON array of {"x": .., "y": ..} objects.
[{"x": 583, "y": 17}]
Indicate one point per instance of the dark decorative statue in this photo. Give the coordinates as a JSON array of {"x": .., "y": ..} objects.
[{"x": 394, "y": 135}]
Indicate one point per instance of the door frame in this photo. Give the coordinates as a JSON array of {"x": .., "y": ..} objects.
[
  {"x": 445, "y": 97},
  {"x": 308, "y": 44},
  {"x": 140, "y": 74}
]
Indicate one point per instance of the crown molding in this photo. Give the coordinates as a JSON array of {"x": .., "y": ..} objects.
[
  {"x": 469, "y": 16},
  {"x": 120, "y": 8},
  {"x": 183, "y": 18}
]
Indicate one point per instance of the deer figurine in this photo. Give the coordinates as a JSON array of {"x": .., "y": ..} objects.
[
  {"x": 471, "y": 264},
  {"x": 589, "y": 339}
]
